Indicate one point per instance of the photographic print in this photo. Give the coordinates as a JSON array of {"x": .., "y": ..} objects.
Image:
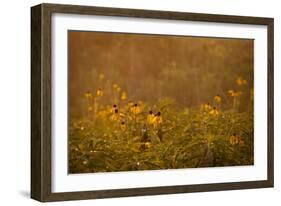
[
  {"x": 128, "y": 102},
  {"x": 150, "y": 102}
]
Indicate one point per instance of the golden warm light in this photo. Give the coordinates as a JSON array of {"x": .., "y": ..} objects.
[{"x": 148, "y": 102}]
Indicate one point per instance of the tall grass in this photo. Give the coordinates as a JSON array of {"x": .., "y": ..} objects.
[{"x": 117, "y": 134}]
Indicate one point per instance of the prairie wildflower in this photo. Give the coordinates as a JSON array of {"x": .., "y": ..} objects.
[
  {"x": 99, "y": 92},
  {"x": 214, "y": 112},
  {"x": 217, "y": 98},
  {"x": 233, "y": 139},
  {"x": 240, "y": 81},
  {"x": 207, "y": 106},
  {"x": 123, "y": 96},
  {"x": 115, "y": 115},
  {"x": 148, "y": 145},
  {"x": 234, "y": 93},
  {"x": 157, "y": 120},
  {"x": 135, "y": 109},
  {"x": 150, "y": 118},
  {"x": 122, "y": 115},
  {"x": 88, "y": 94},
  {"x": 236, "y": 140},
  {"x": 113, "y": 108},
  {"x": 116, "y": 87},
  {"x": 230, "y": 92},
  {"x": 237, "y": 94},
  {"x": 123, "y": 126}
]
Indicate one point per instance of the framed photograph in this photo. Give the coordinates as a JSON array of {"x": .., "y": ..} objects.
[{"x": 132, "y": 102}]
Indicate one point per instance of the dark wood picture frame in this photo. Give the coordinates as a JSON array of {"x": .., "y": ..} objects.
[{"x": 41, "y": 102}]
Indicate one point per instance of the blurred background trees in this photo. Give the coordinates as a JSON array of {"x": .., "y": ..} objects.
[{"x": 190, "y": 70}]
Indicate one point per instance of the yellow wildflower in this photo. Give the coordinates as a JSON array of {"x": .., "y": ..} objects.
[
  {"x": 113, "y": 108},
  {"x": 240, "y": 81},
  {"x": 207, "y": 106},
  {"x": 116, "y": 87},
  {"x": 115, "y": 116},
  {"x": 123, "y": 96},
  {"x": 123, "y": 126},
  {"x": 148, "y": 144},
  {"x": 214, "y": 112},
  {"x": 234, "y": 93},
  {"x": 237, "y": 94},
  {"x": 88, "y": 94},
  {"x": 236, "y": 140},
  {"x": 99, "y": 92},
  {"x": 135, "y": 109},
  {"x": 230, "y": 92},
  {"x": 217, "y": 98},
  {"x": 150, "y": 118},
  {"x": 122, "y": 115},
  {"x": 157, "y": 120}
]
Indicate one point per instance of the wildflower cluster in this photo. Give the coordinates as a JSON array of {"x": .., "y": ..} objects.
[{"x": 120, "y": 133}]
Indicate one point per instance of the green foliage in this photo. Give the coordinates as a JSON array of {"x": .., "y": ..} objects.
[{"x": 187, "y": 138}]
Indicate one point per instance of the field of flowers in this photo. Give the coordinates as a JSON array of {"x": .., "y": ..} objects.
[{"x": 122, "y": 135}]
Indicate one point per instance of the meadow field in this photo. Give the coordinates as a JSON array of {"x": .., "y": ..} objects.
[{"x": 141, "y": 102}]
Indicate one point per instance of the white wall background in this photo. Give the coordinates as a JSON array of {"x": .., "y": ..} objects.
[{"x": 15, "y": 102}]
